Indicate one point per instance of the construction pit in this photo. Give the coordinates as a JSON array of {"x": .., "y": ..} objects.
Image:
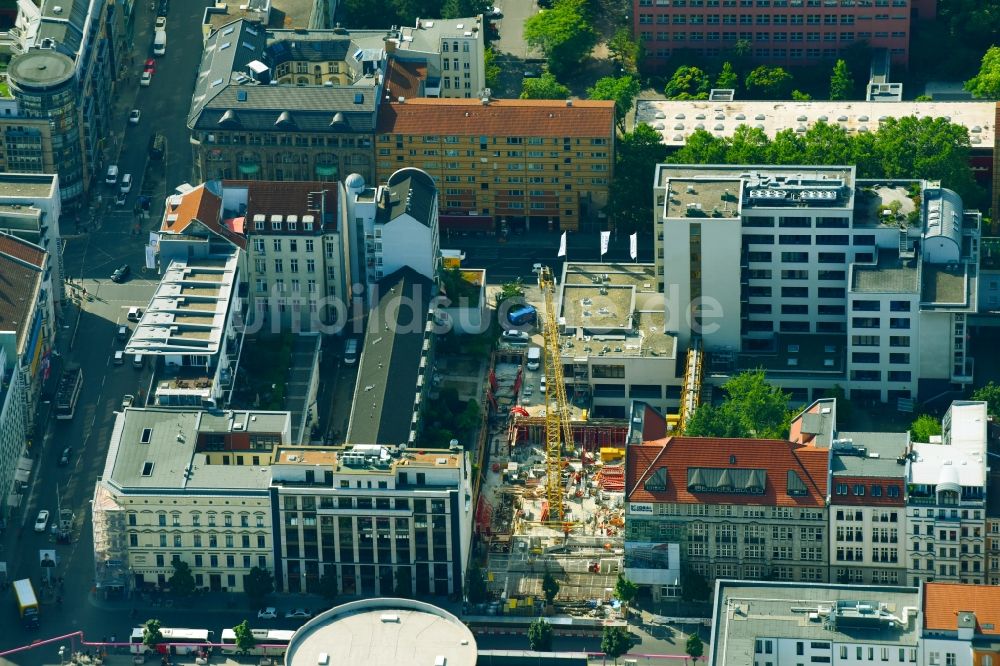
[{"x": 523, "y": 542}]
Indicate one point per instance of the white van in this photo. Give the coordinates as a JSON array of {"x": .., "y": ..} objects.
[
  {"x": 137, "y": 360},
  {"x": 112, "y": 176},
  {"x": 160, "y": 43},
  {"x": 534, "y": 358},
  {"x": 351, "y": 351}
]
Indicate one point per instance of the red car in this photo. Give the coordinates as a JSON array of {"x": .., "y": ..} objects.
[{"x": 150, "y": 66}]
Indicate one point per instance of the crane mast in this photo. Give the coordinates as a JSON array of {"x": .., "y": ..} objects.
[{"x": 558, "y": 432}]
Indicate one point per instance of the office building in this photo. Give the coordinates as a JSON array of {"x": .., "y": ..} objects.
[
  {"x": 296, "y": 271},
  {"x": 724, "y": 508},
  {"x": 397, "y": 353},
  {"x": 27, "y": 328},
  {"x": 508, "y": 163},
  {"x": 395, "y": 225},
  {"x": 946, "y": 500},
  {"x": 189, "y": 331},
  {"x": 961, "y": 624},
  {"x": 867, "y": 500},
  {"x": 386, "y": 521},
  {"x": 66, "y": 54},
  {"x": 302, "y": 104},
  {"x": 779, "y": 32},
  {"x": 30, "y": 208},
  {"x": 866, "y": 285},
  {"x": 761, "y": 623},
  {"x": 188, "y": 485}
]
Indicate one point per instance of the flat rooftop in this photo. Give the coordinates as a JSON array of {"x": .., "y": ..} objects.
[
  {"x": 703, "y": 197},
  {"x": 188, "y": 311},
  {"x": 26, "y": 185},
  {"x": 383, "y": 632},
  {"x": 875, "y": 454},
  {"x": 941, "y": 285},
  {"x": 889, "y": 275},
  {"x": 613, "y": 310},
  {"x": 154, "y": 450},
  {"x": 745, "y": 612},
  {"x": 676, "y": 120},
  {"x": 378, "y": 458}
]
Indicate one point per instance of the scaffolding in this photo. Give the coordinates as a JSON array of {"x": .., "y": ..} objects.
[
  {"x": 691, "y": 391},
  {"x": 111, "y": 573}
]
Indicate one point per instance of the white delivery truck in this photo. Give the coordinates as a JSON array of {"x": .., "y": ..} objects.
[
  {"x": 160, "y": 42},
  {"x": 534, "y": 358}
]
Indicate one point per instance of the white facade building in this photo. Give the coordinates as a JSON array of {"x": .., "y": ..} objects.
[
  {"x": 380, "y": 520},
  {"x": 821, "y": 279},
  {"x": 393, "y": 225},
  {"x": 946, "y": 500},
  {"x": 30, "y": 208},
  {"x": 776, "y": 623},
  {"x": 452, "y": 50}
]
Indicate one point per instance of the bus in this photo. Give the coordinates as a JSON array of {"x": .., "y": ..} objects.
[
  {"x": 68, "y": 392},
  {"x": 184, "y": 641},
  {"x": 27, "y": 602},
  {"x": 523, "y": 315},
  {"x": 269, "y": 642}
]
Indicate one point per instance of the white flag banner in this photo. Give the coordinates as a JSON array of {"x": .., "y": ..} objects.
[
  {"x": 150, "y": 257},
  {"x": 605, "y": 240},
  {"x": 562, "y": 245},
  {"x": 154, "y": 238},
  {"x": 633, "y": 242}
]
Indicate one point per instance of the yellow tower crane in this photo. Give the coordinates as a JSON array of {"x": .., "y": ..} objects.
[{"x": 558, "y": 432}]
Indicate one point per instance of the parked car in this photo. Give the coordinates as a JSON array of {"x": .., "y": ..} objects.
[
  {"x": 134, "y": 314},
  {"x": 133, "y": 116},
  {"x": 516, "y": 337},
  {"x": 161, "y": 22},
  {"x": 123, "y": 332},
  {"x": 541, "y": 385},
  {"x": 146, "y": 78},
  {"x": 298, "y": 613},
  {"x": 150, "y": 66},
  {"x": 121, "y": 273},
  {"x": 42, "y": 521},
  {"x": 126, "y": 183},
  {"x": 120, "y": 198},
  {"x": 64, "y": 458},
  {"x": 112, "y": 177},
  {"x": 127, "y": 400},
  {"x": 268, "y": 613}
]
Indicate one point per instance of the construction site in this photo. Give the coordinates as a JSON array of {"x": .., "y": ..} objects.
[{"x": 552, "y": 499}]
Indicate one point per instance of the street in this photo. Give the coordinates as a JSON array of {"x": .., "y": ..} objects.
[{"x": 87, "y": 337}]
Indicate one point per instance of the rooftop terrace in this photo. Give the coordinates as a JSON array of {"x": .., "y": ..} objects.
[{"x": 889, "y": 274}]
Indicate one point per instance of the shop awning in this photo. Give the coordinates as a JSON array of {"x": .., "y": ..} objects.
[
  {"x": 249, "y": 168},
  {"x": 326, "y": 170}
]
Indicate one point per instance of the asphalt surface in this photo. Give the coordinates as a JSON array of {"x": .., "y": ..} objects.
[{"x": 87, "y": 336}]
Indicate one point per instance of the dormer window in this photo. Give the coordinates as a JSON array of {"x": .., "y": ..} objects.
[{"x": 657, "y": 481}]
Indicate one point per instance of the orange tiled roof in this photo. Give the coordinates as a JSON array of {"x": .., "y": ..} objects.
[
  {"x": 198, "y": 205},
  {"x": 501, "y": 117},
  {"x": 13, "y": 246},
  {"x": 944, "y": 601},
  {"x": 677, "y": 454},
  {"x": 403, "y": 79}
]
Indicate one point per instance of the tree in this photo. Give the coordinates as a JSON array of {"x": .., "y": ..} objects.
[
  {"x": 151, "y": 634},
  {"x": 258, "y": 584},
  {"x": 512, "y": 289},
  {"x": 452, "y": 9},
  {"x": 768, "y": 82},
  {"x": 827, "y": 144},
  {"x": 748, "y": 145},
  {"x": 625, "y": 51},
  {"x": 986, "y": 83},
  {"x": 701, "y": 147},
  {"x": 636, "y": 158},
  {"x": 694, "y": 586},
  {"x": 476, "y": 590},
  {"x": 540, "y": 635},
  {"x": 622, "y": 90},
  {"x": 244, "y": 637},
  {"x": 694, "y": 647},
  {"x": 841, "y": 83},
  {"x": 800, "y": 96},
  {"x": 625, "y": 591},
  {"x": 615, "y": 642},
  {"x": 727, "y": 76},
  {"x": 328, "y": 586},
  {"x": 687, "y": 83},
  {"x": 564, "y": 34},
  {"x": 182, "y": 582},
  {"x": 543, "y": 87},
  {"x": 924, "y": 427},
  {"x": 752, "y": 408},
  {"x": 991, "y": 395},
  {"x": 550, "y": 587},
  {"x": 490, "y": 67}
]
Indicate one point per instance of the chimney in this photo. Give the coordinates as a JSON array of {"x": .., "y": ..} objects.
[
  {"x": 569, "y": 102},
  {"x": 485, "y": 101}
]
